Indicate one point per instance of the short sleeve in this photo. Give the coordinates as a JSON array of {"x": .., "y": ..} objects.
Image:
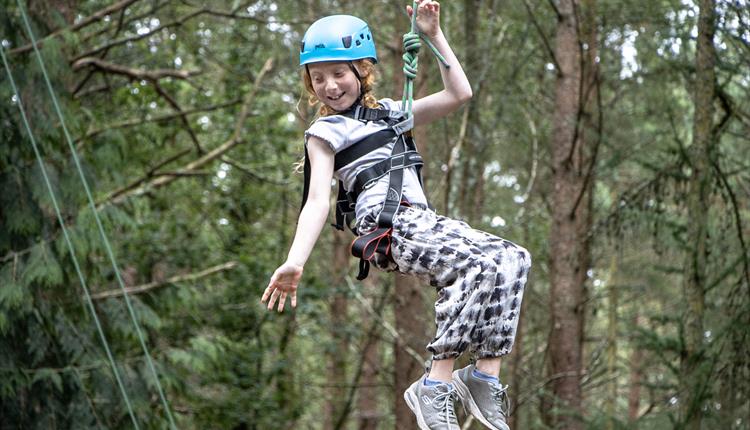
[
  {"x": 390, "y": 104},
  {"x": 331, "y": 129}
]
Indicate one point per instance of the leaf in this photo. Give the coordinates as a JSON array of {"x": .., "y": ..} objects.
[
  {"x": 48, "y": 375},
  {"x": 42, "y": 267},
  {"x": 22, "y": 215}
]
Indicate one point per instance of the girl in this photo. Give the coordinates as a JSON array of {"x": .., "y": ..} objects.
[{"x": 479, "y": 277}]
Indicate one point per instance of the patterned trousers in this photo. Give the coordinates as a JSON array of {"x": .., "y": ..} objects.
[{"x": 479, "y": 277}]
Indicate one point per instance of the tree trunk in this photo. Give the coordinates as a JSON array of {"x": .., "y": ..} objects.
[
  {"x": 636, "y": 376},
  {"x": 410, "y": 325},
  {"x": 367, "y": 403},
  {"x": 337, "y": 310},
  {"x": 572, "y": 171},
  {"x": 612, "y": 341},
  {"x": 517, "y": 359},
  {"x": 471, "y": 173},
  {"x": 697, "y": 208}
]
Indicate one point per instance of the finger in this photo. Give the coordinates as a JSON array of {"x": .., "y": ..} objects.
[
  {"x": 294, "y": 299},
  {"x": 273, "y": 299},
  {"x": 409, "y": 10},
  {"x": 266, "y": 293},
  {"x": 282, "y": 300},
  {"x": 269, "y": 288}
]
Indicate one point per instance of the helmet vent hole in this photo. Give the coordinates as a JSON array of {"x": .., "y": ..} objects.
[
  {"x": 358, "y": 43},
  {"x": 361, "y": 36},
  {"x": 368, "y": 37},
  {"x": 302, "y": 48},
  {"x": 347, "y": 41}
]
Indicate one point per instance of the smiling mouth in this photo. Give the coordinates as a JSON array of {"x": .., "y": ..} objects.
[{"x": 336, "y": 98}]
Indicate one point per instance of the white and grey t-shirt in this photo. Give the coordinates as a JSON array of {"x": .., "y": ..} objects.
[{"x": 341, "y": 132}]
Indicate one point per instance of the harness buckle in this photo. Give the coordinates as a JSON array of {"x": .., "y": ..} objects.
[{"x": 398, "y": 161}]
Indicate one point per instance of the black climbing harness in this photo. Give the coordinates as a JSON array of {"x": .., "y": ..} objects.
[{"x": 403, "y": 155}]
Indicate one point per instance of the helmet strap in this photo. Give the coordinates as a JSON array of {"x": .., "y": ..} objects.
[
  {"x": 359, "y": 79},
  {"x": 355, "y": 71}
]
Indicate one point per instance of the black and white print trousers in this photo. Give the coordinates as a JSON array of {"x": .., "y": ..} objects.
[{"x": 480, "y": 279}]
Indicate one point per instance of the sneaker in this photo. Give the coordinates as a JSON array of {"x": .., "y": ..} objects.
[
  {"x": 486, "y": 401},
  {"x": 432, "y": 405}
]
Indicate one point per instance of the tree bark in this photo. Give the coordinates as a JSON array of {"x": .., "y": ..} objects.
[
  {"x": 572, "y": 171},
  {"x": 612, "y": 341},
  {"x": 367, "y": 401},
  {"x": 337, "y": 310},
  {"x": 694, "y": 283},
  {"x": 471, "y": 173},
  {"x": 636, "y": 376},
  {"x": 410, "y": 324}
]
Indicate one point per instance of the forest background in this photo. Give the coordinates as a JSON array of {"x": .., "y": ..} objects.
[{"x": 610, "y": 138}]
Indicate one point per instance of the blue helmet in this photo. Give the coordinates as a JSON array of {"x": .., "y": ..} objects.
[{"x": 337, "y": 38}]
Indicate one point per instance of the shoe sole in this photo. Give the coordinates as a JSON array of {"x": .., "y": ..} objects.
[
  {"x": 466, "y": 399},
  {"x": 410, "y": 397}
]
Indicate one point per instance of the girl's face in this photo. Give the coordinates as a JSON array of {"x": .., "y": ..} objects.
[{"x": 334, "y": 84}]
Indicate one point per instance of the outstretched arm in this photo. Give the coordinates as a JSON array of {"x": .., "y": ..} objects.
[
  {"x": 311, "y": 220},
  {"x": 457, "y": 89}
]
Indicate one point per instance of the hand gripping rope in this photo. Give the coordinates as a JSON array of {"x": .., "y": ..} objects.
[{"x": 411, "y": 60}]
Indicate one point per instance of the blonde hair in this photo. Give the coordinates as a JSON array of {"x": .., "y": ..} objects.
[{"x": 366, "y": 71}]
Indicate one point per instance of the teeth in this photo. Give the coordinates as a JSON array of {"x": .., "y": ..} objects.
[{"x": 336, "y": 98}]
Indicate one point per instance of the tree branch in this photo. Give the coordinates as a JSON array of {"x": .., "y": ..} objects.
[
  {"x": 131, "y": 73},
  {"x": 183, "y": 117},
  {"x": 246, "y": 170},
  {"x": 534, "y": 163},
  {"x": 547, "y": 45},
  {"x": 233, "y": 140},
  {"x": 139, "y": 121},
  {"x": 97, "y": 16},
  {"x": 737, "y": 218},
  {"x": 175, "y": 23},
  {"x": 122, "y": 22},
  {"x": 173, "y": 280},
  {"x": 592, "y": 161}
]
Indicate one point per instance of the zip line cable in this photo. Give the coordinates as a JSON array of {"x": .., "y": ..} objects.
[
  {"x": 47, "y": 182},
  {"x": 92, "y": 205}
]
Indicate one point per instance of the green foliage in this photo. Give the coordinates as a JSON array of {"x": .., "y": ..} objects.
[{"x": 226, "y": 362}]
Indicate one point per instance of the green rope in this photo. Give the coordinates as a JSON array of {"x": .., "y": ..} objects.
[
  {"x": 411, "y": 60},
  {"x": 47, "y": 182},
  {"x": 92, "y": 205}
]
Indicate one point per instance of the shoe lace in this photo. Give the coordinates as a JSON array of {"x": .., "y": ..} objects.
[
  {"x": 500, "y": 396},
  {"x": 444, "y": 403}
]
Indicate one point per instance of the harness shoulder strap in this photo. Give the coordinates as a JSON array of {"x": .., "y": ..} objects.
[{"x": 363, "y": 147}]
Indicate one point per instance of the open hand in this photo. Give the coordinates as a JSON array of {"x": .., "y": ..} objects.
[
  {"x": 428, "y": 17},
  {"x": 283, "y": 283}
]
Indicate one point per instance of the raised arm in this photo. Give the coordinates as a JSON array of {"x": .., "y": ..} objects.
[
  {"x": 311, "y": 220},
  {"x": 457, "y": 89}
]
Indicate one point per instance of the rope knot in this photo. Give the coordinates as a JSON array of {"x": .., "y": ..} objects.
[{"x": 411, "y": 53}]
